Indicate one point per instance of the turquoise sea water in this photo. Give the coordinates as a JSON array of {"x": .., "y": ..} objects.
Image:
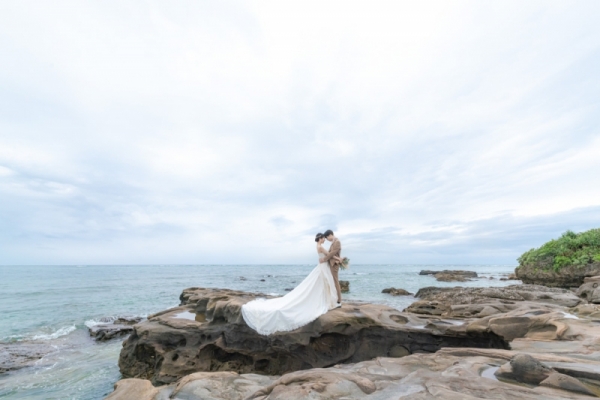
[{"x": 56, "y": 304}]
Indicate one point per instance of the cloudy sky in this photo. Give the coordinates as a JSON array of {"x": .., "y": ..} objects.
[{"x": 231, "y": 132}]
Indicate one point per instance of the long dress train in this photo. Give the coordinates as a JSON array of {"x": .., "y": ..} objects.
[{"x": 313, "y": 297}]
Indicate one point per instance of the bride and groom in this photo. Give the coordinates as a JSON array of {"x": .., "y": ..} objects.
[{"x": 318, "y": 293}]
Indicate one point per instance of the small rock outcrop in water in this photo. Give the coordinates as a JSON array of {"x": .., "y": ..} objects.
[
  {"x": 208, "y": 333},
  {"x": 451, "y": 275},
  {"x": 345, "y": 286},
  {"x": 396, "y": 292},
  {"x": 443, "y": 277},
  {"x": 466, "y": 274},
  {"x": 19, "y": 355},
  {"x": 113, "y": 328}
]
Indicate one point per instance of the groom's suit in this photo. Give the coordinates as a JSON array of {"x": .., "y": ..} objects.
[{"x": 334, "y": 251}]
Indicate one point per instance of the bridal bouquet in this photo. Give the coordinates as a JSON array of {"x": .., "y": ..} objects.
[{"x": 345, "y": 263}]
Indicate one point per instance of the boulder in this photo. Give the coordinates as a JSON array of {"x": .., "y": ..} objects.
[
  {"x": 113, "y": 328},
  {"x": 396, "y": 292},
  {"x": 525, "y": 369},
  {"x": 207, "y": 333},
  {"x": 590, "y": 290},
  {"x": 345, "y": 286}
]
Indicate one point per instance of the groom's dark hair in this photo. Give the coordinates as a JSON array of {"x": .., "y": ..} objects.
[{"x": 328, "y": 232}]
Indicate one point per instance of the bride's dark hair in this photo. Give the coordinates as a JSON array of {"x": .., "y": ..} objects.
[{"x": 319, "y": 236}]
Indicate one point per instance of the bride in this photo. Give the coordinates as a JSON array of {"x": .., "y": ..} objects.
[{"x": 313, "y": 297}]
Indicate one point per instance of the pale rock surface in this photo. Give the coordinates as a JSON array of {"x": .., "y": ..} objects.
[{"x": 449, "y": 374}]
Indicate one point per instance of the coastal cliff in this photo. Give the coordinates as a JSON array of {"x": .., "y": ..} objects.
[{"x": 563, "y": 262}]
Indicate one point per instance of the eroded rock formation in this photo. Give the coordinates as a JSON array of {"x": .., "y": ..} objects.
[
  {"x": 207, "y": 333},
  {"x": 468, "y": 302},
  {"x": 449, "y": 374},
  {"x": 111, "y": 329},
  {"x": 590, "y": 290}
]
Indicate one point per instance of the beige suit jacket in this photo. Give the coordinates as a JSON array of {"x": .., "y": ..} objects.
[{"x": 334, "y": 250}]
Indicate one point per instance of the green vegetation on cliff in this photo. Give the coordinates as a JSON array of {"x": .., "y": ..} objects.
[{"x": 571, "y": 248}]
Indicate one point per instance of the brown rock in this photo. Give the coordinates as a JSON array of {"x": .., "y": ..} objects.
[
  {"x": 345, "y": 286},
  {"x": 449, "y": 374},
  {"x": 465, "y": 302},
  {"x": 396, "y": 292},
  {"x": 466, "y": 274},
  {"x": 565, "y": 382},
  {"x": 590, "y": 290},
  {"x": 208, "y": 333},
  {"x": 129, "y": 389},
  {"x": 525, "y": 369},
  {"x": 447, "y": 277}
]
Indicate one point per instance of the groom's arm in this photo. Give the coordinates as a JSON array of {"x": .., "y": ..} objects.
[{"x": 333, "y": 251}]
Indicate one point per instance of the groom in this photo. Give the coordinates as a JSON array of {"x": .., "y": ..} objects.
[{"x": 334, "y": 265}]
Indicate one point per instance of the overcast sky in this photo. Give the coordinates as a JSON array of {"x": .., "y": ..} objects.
[{"x": 232, "y": 132}]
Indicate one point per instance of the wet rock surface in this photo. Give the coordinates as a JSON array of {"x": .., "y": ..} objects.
[
  {"x": 207, "y": 334},
  {"x": 19, "y": 355},
  {"x": 113, "y": 328}
]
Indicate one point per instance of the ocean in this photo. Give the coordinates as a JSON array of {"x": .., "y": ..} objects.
[{"x": 55, "y": 305}]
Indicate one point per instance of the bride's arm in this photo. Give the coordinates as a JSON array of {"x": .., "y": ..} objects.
[
  {"x": 323, "y": 251},
  {"x": 320, "y": 250}
]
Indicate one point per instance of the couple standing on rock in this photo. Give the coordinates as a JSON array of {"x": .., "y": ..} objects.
[{"x": 318, "y": 293}]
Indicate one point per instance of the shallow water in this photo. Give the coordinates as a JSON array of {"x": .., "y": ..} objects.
[{"x": 56, "y": 305}]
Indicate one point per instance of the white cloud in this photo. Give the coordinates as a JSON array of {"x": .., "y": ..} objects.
[{"x": 234, "y": 131}]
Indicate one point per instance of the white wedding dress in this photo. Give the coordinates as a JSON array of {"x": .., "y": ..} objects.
[{"x": 313, "y": 297}]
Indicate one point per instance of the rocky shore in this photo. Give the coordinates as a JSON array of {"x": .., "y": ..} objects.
[
  {"x": 513, "y": 342},
  {"x": 207, "y": 333}
]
